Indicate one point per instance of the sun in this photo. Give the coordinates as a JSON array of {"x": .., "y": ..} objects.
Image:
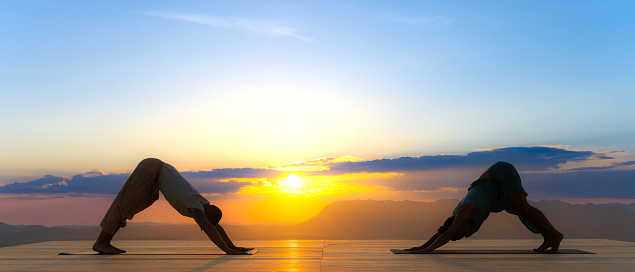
[{"x": 293, "y": 180}]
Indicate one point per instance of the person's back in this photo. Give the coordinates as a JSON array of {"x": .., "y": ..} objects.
[{"x": 179, "y": 192}]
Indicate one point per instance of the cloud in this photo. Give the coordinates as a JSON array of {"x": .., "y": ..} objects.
[
  {"x": 611, "y": 166},
  {"x": 235, "y": 23},
  {"x": 534, "y": 158},
  {"x": 542, "y": 169},
  {"x": 315, "y": 164},
  {"x": 215, "y": 187},
  {"x": 86, "y": 183},
  {"x": 95, "y": 182},
  {"x": 228, "y": 173},
  {"x": 93, "y": 173}
]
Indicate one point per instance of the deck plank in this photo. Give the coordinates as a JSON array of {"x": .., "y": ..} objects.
[{"x": 316, "y": 255}]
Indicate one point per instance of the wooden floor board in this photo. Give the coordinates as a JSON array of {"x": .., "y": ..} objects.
[{"x": 319, "y": 255}]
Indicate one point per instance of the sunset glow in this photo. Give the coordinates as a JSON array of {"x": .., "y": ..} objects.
[
  {"x": 273, "y": 112},
  {"x": 294, "y": 181}
]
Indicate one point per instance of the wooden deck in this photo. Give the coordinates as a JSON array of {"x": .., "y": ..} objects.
[{"x": 316, "y": 255}]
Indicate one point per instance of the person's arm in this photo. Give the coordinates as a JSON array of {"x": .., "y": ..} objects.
[
  {"x": 428, "y": 243},
  {"x": 228, "y": 241},
  {"x": 466, "y": 213},
  {"x": 212, "y": 232}
]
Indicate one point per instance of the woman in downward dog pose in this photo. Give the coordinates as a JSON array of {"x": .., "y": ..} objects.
[{"x": 498, "y": 189}]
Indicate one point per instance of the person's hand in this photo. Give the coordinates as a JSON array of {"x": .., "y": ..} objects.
[
  {"x": 244, "y": 248},
  {"x": 422, "y": 251},
  {"x": 235, "y": 252}
]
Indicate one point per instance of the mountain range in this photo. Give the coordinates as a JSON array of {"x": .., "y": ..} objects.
[{"x": 365, "y": 219}]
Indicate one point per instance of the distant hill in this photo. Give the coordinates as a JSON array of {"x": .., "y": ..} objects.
[
  {"x": 368, "y": 219},
  {"x": 628, "y": 206},
  {"x": 17, "y": 235},
  {"x": 365, "y": 219}
]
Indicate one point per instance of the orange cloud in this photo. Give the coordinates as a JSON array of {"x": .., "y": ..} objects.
[
  {"x": 332, "y": 185},
  {"x": 315, "y": 164}
]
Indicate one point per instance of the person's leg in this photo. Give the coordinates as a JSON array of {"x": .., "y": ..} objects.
[
  {"x": 138, "y": 193},
  {"x": 485, "y": 175},
  {"x": 551, "y": 236},
  {"x": 103, "y": 246}
]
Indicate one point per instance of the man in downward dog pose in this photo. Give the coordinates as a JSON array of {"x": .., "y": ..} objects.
[
  {"x": 142, "y": 189},
  {"x": 498, "y": 189}
]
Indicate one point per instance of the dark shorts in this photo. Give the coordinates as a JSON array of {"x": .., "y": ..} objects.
[
  {"x": 507, "y": 178},
  {"x": 508, "y": 181}
]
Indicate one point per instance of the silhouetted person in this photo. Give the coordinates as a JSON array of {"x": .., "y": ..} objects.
[
  {"x": 142, "y": 189},
  {"x": 498, "y": 189}
]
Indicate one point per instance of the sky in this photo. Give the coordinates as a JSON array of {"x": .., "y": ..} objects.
[{"x": 273, "y": 109}]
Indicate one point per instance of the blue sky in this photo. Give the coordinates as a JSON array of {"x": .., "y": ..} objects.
[{"x": 254, "y": 84}]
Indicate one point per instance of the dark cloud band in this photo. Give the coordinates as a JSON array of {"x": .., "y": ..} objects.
[
  {"x": 535, "y": 158},
  {"x": 600, "y": 182}
]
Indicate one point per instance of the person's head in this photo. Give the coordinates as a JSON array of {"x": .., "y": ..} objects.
[
  {"x": 213, "y": 214},
  {"x": 464, "y": 229}
]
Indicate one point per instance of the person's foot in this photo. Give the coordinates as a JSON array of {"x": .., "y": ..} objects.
[
  {"x": 551, "y": 241},
  {"x": 107, "y": 249}
]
